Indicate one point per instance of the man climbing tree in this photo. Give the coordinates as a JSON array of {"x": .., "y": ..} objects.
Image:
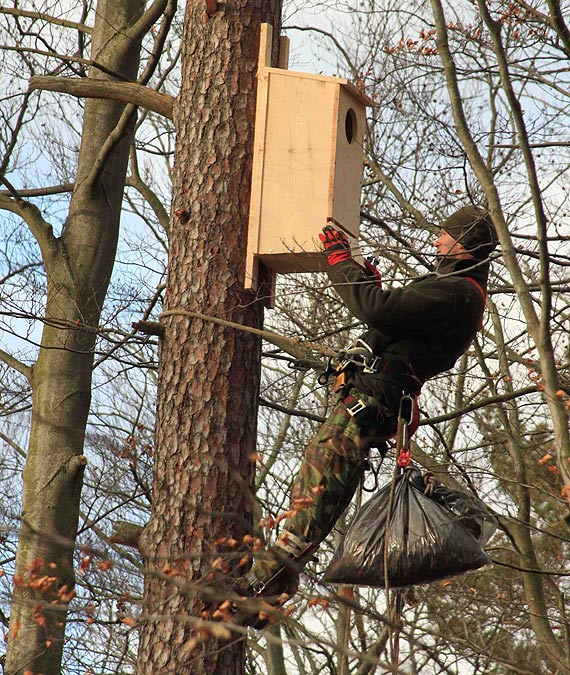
[{"x": 414, "y": 333}]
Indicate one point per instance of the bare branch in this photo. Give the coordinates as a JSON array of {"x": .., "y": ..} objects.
[
  {"x": 47, "y": 17},
  {"x": 291, "y": 411},
  {"x": 136, "y": 35},
  {"x": 334, "y": 40},
  {"x": 491, "y": 400},
  {"x": 159, "y": 40},
  {"x": 65, "y": 58},
  {"x": 16, "y": 364},
  {"x": 151, "y": 16},
  {"x": 30, "y": 213},
  {"x": 14, "y": 137},
  {"x": 42, "y": 192},
  {"x": 558, "y": 23},
  {"x": 135, "y": 180},
  {"x": 127, "y": 92},
  {"x": 13, "y": 444},
  {"x": 546, "y": 144}
]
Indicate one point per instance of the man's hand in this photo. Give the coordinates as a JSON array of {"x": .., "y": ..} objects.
[
  {"x": 372, "y": 271},
  {"x": 336, "y": 245}
]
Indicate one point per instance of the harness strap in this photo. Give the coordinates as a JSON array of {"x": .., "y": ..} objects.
[
  {"x": 479, "y": 287},
  {"x": 483, "y": 295},
  {"x": 354, "y": 405}
]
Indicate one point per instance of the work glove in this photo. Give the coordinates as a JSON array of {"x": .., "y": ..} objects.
[
  {"x": 372, "y": 271},
  {"x": 336, "y": 245}
]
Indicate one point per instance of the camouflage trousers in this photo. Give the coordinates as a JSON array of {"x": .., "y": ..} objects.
[{"x": 332, "y": 468}]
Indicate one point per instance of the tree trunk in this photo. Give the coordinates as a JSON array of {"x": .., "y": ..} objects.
[
  {"x": 78, "y": 267},
  {"x": 208, "y": 375}
]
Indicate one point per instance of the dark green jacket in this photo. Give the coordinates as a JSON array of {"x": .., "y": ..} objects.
[{"x": 427, "y": 324}]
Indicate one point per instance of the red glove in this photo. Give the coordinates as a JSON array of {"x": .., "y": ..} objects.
[
  {"x": 336, "y": 245},
  {"x": 372, "y": 271}
]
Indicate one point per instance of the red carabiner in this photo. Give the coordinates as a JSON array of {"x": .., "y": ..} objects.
[{"x": 404, "y": 458}]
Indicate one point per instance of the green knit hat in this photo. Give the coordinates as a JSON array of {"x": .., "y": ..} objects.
[{"x": 473, "y": 228}]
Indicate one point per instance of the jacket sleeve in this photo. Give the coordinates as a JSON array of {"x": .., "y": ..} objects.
[{"x": 411, "y": 310}]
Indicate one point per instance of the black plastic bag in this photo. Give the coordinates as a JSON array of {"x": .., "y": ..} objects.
[{"x": 429, "y": 538}]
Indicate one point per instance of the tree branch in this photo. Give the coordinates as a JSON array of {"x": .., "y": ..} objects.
[
  {"x": 503, "y": 398},
  {"x": 397, "y": 237},
  {"x": 65, "y": 58},
  {"x": 42, "y": 192},
  {"x": 30, "y": 213},
  {"x": 135, "y": 181},
  {"x": 136, "y": 34},
  {"x": 13, "y": 444},
  {"x": 16, "y": 364},
  {"x": 545, "y": 144},
  {"x": 404, "y": 203},
  {"x": 11, "y": 144},
  {"x": 334, "y": 40},
  {"x": 47, "y": 17},
  {"x": 291, "y": 411},
  {"x": 137, "y": 31},
  {"x": 557, "y": 22},
  {"x": 484, "y": 175},
  {"x": 517, "y": 112},
  {"x": 127, "y": 92}
]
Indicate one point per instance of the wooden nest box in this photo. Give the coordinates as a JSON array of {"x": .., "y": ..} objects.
[{"x": 307, "y": 165}]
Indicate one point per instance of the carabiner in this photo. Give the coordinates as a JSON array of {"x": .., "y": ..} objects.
[
  {"x": 323, "y": 378},
  {"x": 410, "y": 400},
  {"x": 404, "y": 458}
]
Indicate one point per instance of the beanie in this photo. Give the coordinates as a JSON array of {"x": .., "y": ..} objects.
[{"x": 473, "y": 228}]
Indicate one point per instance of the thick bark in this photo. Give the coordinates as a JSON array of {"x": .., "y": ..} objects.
[
  {"x": 78, "y": 267},
  {"x": 209, "y": 374}
]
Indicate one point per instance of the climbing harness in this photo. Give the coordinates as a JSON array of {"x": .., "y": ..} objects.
[
  {"x": 390, "y": 368},
  {"x": 359, "y": 354}
]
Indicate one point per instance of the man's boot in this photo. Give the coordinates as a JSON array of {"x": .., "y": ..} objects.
[{"x": 271, "y": 581}]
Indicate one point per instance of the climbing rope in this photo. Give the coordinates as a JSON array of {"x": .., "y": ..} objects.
[{"x": 394, "y": 601}]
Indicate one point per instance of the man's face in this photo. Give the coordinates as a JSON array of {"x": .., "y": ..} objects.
[{"x": 448, "y": 247}]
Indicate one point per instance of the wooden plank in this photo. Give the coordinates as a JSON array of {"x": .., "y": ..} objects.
[
  {"x": 347, "y": 166},
  {"x": 284, "y": 46},
  {"x": 251, "y": 271},
  {"x": 294, "y": 198},
  {"x": 341, "y": 81}
]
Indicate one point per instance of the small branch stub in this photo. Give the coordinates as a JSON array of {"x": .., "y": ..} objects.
[
  {"x": 211, "y": 7},
  {"x": 149, "y": 328},
  {"x": 126, "y": 534}
]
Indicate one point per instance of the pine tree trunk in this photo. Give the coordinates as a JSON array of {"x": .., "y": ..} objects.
[
  {"x": 208, "y": 375},
  {"x": 78, "y": 267}
]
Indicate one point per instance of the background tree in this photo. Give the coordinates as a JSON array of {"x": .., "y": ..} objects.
[{"x": 77, "y": 263}]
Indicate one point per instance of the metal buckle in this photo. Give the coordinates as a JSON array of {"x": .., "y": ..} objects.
[
  {"x": 372, "y": 366},
  {"x": 257, "y": 586},
  {"x": 356, "y": 407},
  {"x": 362, "y": 355}
]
